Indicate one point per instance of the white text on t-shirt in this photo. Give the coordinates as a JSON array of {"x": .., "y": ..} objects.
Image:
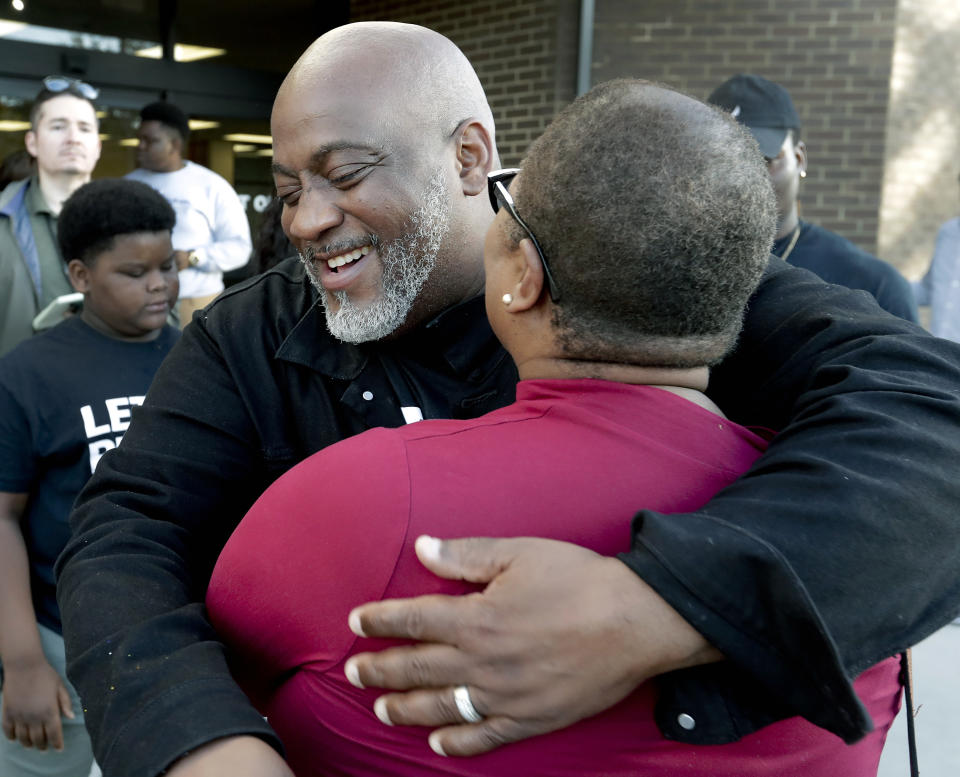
[{"x": 117, "y": 420}]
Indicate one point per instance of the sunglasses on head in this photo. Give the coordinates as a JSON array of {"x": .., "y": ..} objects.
[
  {"x": 57, "y": 84},
  {"x": 497, "y": 187}
]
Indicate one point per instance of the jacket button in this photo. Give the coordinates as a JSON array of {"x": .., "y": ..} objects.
[
  {"x": 686, "y": 721},
  {"x": 367, "y": 395}
]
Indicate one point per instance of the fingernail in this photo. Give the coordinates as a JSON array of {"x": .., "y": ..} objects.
[
  {"x": 353, "y": 621},
  {"x": 434, "y": 740},
  {"x": 380, "y": 710},
  {"x": 428, "y": 547},
  {"x": 353, "y": 674}
]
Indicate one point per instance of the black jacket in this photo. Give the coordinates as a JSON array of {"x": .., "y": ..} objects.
[{"x": 839, "y": 548}]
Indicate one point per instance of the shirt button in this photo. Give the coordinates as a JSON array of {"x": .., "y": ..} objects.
[
  {"x": 686, "y": 721},
  {"x": 367, "y": 395}
]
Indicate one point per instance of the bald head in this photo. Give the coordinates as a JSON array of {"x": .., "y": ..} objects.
[
  {"x": 408, "y": 68},
  {"x": 382, "y": 139}
]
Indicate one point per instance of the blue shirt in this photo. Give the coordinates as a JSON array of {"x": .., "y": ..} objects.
[
  {"x": 836, "y": 260},
  {"x": 940, "y": 287}
]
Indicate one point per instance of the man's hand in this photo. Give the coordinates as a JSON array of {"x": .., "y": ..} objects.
[
  {"x": 34, "y": 697},
  {"x": 182, "y": 258},
  {"x": 559, "y": 634},
  {"x": 241, "y": 756}
]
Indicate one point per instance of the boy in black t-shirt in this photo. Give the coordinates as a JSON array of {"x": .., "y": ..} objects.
[{"x": 65, "y": 399}]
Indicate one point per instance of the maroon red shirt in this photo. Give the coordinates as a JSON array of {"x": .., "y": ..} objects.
[{"x": 570, "y": 460}]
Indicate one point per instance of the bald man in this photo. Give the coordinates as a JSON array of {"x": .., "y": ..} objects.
[
  {"x": 815, "y": 565},
  {"x": 384, "y": 213}
]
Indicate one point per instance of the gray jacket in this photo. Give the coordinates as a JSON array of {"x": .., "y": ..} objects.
[{"x": 24, "y": 290}]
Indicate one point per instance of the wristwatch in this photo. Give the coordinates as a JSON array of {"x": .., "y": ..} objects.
[{"x": 193, "y": 259}]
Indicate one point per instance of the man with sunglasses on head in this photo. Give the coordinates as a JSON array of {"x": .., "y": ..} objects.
[
  {"x": 383, "y": 140},
  {"x": 64, "y": 138}
]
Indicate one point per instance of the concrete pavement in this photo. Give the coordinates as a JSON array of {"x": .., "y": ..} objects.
[{"x": 936, "y": 684}]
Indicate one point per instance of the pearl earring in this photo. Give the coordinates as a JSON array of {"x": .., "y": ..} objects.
[
  {"x": 803, "y": 173},
  {"x": 507, "y": 299}
]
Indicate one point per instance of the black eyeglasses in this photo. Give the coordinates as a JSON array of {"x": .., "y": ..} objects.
[
  {"x": 57, "y": 84},
  {"x": 497, "y": 183}
]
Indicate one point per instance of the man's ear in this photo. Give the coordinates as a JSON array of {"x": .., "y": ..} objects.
[
  {"x": 475, "y": 154},
  {"x": 30, "y": 141},
  {"x": 79, "y": 275},
  {"x": 800, "y": 150}
]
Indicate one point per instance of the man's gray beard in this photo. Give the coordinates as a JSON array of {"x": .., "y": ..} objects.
[{"x": 406, "y": 264}]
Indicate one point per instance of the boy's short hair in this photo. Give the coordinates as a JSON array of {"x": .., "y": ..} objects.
[
  {"x": 99, "y": 211},
  {"x": 170, "y": 116}
]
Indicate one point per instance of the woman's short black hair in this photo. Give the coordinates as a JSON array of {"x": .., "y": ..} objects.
[
  {"x": 656, "y": 214},
  {"x": 101, "y": 210},
  {"x": 170, "y": 116}
]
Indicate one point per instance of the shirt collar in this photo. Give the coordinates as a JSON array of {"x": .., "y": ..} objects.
[
  {"x": 34, "y": 199},
  {"x": 460, "y": 336}
]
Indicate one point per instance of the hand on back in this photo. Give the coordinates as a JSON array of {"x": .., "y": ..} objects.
[{"x": 559, "y": 634}]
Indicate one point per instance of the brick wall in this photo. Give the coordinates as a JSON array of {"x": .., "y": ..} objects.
[
  {"x": 920, "y": 188},
  {"x": 834, "y": 56},
  {"x": 524, "y": 52},
  {"x": 874, "y": 81}
]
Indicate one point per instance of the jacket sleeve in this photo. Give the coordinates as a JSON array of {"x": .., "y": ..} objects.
[
  {"x": 896, "y": 296},
  {"x": 147, "y": 530},
  {"x": 841, "y": 546}
]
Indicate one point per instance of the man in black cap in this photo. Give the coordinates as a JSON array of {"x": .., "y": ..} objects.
[{"x": 766, "y": 109}]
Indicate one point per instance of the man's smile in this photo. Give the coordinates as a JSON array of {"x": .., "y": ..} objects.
[
  {"x": 335, "y": 262},
  {"x": 340, "y": 268}
]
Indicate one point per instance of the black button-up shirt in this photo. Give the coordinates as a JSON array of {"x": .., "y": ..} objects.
[{"x": 807, "y": 570}]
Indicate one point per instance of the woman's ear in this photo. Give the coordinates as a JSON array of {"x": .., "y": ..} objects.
[
  {"x": 529, "y": 287},
  {"x": 475, "y": 154},
  {"x": 79, "y": 275}
]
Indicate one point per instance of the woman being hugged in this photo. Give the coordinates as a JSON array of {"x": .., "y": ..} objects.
[{"x": 617, "y": 268}]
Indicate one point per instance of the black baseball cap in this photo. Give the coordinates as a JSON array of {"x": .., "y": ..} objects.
[{"x": 764, "y": 107}]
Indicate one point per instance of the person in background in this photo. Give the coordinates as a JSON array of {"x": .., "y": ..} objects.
[
  {"x": 610, "y": 415},
  {"x": 271, "y": 245},
  {"x": 212, "y": 234},
  {"x": 940, "y": 285},
  {"x": 17, "y": 166},
  {"x": 64, "y": 139},
  {"x": 768, "y": 112},
  {"x": 383, "y": 141},
  {"x": 66, "y": 397}
]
